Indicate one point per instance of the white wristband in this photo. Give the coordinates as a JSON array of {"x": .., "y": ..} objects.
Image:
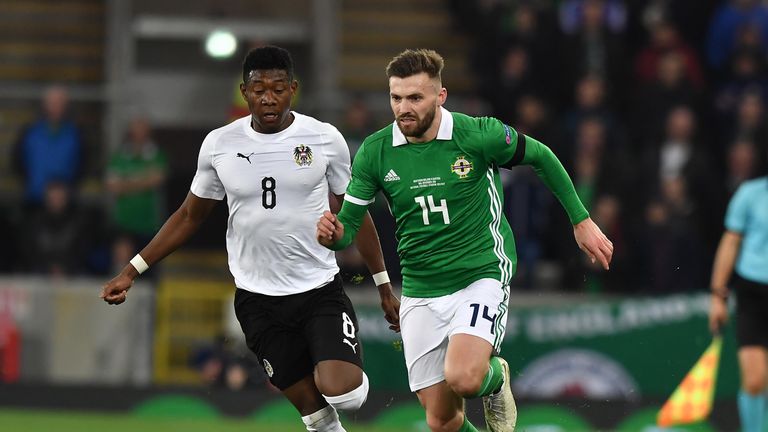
[
  {"x": 139, "y": 264},
  {"x": 381, "y": 278}
]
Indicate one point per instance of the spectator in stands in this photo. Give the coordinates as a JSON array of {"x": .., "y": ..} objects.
[
  {"x": 664, "y": 40},
  {"x": 591, "y": 102},
  {"x": 678, "y": 155},
  {"x": 691, "y": 18},
  {"x": 657, "y": 98},
  {"x": 748, "y": 76},
  {"x": 673, "y": 255},
  {"x": 682, "y": 155},
  {"x": 515, "y": 78},
  {"x": 594, "y": 48},
  {"x": 742, "y": 164},
  {"x": 575, "y": 14},
  {"x": 49, "y": 149},
  {"x": 54, "y": 238},
  {"x": 750, "y": 120},
  {"x": 526, "y": 25},
  {"x": 135, "y": 176},
  {"x": 731, "y": 18}
]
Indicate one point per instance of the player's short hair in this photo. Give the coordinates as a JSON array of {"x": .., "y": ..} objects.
[
  {"x": 268, "y": 58},
  {"x": 411, "y": 62}
]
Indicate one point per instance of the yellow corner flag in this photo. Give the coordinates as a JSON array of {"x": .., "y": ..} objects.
[{"x": 692, "y": 399}]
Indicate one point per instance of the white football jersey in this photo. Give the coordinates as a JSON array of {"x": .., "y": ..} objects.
[{"x": 277, "y": 188}]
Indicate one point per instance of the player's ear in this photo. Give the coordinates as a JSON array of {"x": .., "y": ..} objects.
[
  {"x": 294, "y": 85},
  {"x": 442, "y": 96},
  {"x": 242, "y": 91}
]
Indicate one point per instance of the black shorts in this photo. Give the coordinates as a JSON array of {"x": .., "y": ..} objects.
[
  {"x": 291, "y": 334},
  {"x": 751, "y": 316}
]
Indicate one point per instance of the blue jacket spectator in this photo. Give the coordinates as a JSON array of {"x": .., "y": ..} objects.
[
  {"x": 728, "y": 21},
  {"x": 49, "y": 149}
]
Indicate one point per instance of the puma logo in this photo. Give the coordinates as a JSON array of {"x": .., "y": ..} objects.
[
  {"x": 346, "y": 341},
  {"x": 248, "y": 158}
]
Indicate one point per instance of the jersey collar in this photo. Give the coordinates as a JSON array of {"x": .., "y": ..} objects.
[{"x": 444, "y": 132}]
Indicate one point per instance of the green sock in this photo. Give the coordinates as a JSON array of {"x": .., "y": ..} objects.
[
  {"x": 493, "y": 379},
  {"x": 467, "y": 426}
]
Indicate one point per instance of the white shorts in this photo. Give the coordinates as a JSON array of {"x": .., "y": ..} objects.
[{"x": 426, "y": 325}]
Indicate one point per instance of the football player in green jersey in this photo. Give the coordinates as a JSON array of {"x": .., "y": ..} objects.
[{"x": 439, "y": 172}]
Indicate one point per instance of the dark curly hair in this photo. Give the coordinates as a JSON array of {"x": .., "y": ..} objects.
[{"x": 268, "y": 58}]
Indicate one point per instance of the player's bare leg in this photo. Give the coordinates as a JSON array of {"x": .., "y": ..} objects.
[
  {"x": 335, "y": 378},
  {"x": 754, "y": 373},
  {"x": 315, "y": 411},
  {"x": 469, "y": 373},
  {"x": 444, "y": 408},
  {"x": 305, "y": 396},
  {"x": 466, "y": 363}
]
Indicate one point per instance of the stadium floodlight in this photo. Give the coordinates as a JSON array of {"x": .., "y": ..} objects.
[{"x": 220, "y": 44}]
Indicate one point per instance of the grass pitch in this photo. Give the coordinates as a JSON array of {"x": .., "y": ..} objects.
[{"x": 64, "y": 421}]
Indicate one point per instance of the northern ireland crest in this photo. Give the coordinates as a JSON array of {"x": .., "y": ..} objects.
[{"x": 461, "y": 167}]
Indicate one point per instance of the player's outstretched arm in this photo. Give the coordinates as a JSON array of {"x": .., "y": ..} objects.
[
  {"x": 588, "y": 235},
  {"x": 725, "y": 260},
  {"x": 177, "y": 229}
]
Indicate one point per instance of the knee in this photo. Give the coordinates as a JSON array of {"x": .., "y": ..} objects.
[
  {"x": 350, "y": 400},
  {"x": 337, "y": 387},
  {"x": 450, "y": 423},
  {"x": 754, "y": 385},
  {"x": 464, "y": 382}
]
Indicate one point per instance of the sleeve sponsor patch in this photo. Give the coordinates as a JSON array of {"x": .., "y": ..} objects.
[{"x": 507, "y": 134}]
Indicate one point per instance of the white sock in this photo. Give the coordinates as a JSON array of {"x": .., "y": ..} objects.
[{"x": 324, "y": 420}]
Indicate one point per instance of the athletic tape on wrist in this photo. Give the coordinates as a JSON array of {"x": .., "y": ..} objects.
[
  {"x": 381, "y": 278},
  {"x": 139, "y": 264}
]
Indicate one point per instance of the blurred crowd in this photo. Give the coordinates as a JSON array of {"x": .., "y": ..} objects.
[
  {"x": 657, "y": 109},
  {"x": 54, "y": 232}
]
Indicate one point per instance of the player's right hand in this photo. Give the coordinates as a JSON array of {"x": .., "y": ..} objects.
[
  {"x": 718, "y": 314},
  {"x": 593, "y": 242},
  {"x": 329, "y": 229},
  {"x": 115, "y": 291}
]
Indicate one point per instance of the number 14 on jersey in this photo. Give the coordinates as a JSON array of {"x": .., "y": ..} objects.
[{"x": 428, "y": 206}]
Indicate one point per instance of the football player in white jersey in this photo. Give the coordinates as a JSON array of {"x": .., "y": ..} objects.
[{"x": 276, "y": 168}]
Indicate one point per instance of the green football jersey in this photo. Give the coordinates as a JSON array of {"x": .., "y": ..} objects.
[{"x": 446, "y": 197}]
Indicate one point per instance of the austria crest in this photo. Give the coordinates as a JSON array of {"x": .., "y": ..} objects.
[
  {"x": 302, "y": 155},
  {"x": 461, "y": 167}
]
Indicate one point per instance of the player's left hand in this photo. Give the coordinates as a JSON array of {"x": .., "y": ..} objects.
[
  {"x": 390, "y": 304},
  {"x": 593, "y": 242}
]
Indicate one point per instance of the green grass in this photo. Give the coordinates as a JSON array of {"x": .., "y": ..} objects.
[{"x": 62, "y": 421}]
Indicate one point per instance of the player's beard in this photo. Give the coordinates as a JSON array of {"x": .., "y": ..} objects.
[{"x": 420, "y": 128}]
